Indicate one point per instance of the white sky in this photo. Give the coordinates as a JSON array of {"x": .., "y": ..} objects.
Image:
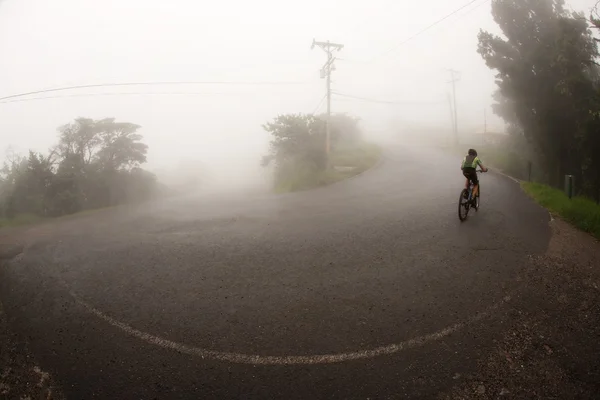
[{"x": 46, "y": 44}]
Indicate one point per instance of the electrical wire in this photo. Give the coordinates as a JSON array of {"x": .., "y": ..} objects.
[
  {"x": 426, "y": 29},
  {"x": 17, "y": 97},
  {"x": 385, "y": 101},
  {"x": 98, "y": 85},
  {"x": 18, "y": 100},
  {"x": 473, "y": 9},
  {"x": 319, "y": 105}
]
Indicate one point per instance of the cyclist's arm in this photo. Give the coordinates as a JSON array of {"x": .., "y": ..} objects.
[{"x": 483, "y": 167}]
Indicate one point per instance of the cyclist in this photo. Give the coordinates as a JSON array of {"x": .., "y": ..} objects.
[{"x": 469, "y": 167}]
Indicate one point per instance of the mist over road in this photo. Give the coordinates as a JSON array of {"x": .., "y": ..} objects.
[{"x": 369, "y": 288}]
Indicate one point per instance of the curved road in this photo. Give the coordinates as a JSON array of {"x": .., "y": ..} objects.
[{"x": 370, "y": 288}]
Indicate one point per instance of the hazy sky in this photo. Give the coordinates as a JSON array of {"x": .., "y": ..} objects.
[{"x": 46, "y": 44}]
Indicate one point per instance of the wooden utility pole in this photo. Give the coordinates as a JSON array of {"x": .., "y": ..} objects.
[
  {"x": 451, "y": 116},
  {"x": 454, "y": 78},
  {"x": 329, "y": 48},
  {"x": 485, "y": 138}
]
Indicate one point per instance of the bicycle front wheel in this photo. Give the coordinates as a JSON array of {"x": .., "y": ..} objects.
[{"x": 463, "y": 205}]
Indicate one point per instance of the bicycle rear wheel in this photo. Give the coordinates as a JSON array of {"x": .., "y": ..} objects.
[{"x": 463, "y": 205}]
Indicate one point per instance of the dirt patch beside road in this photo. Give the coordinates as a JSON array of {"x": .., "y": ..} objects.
[{"x": 550, "y": 347}]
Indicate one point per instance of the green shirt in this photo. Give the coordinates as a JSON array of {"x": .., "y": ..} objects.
[{"x": 470, "y": 162}]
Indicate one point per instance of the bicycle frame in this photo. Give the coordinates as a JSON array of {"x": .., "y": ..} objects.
[{"x": 471, "y": 186}]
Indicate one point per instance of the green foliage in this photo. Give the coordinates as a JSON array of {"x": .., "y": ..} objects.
[
  {"x": 547, "y": 84},
  {"x": 94, "y": 165},
  {"x": 582, "y": 212},
  {"x": 357, "y": 158},
  {"x": 297, "y": 139},
  {"x": 298, "y": 150},
  {"x": 19, "y": 219}
]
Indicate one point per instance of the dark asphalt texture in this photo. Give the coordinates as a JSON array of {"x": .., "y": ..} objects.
[{"x": 369, "y": 262}]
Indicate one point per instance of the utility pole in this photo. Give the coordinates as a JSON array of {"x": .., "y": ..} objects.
[
  {"x": 329, "y": 48},
  {"x": 485, "y": 120},
  {"x": 485, "y": 138},
  {"x": 454, "y": 78},
  {"x": 451, "y": 113}
]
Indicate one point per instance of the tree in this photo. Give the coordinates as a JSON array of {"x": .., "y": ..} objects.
[
  {"x": 297, "y": 148},
  {"x": 544, "y": 64},
  {"x": 121, "y": 145},
  {"x": 94, "y": 152},
  {"x": 297, "y": 138},
  {"x": 96, "y": 163}
]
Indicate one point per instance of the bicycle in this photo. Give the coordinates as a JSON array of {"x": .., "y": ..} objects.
[{"x": 466, "y": 202}]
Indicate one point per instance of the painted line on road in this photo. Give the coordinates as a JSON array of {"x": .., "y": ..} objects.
[
  {"x": 499, "y": 172},
  {"x": 519, "y": 183},
  {"x": 240, "y": 358}
]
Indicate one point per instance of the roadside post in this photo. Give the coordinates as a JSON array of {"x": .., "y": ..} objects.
[{"x": 569, "y": 185}]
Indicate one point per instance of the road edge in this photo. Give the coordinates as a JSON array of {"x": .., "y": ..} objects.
[{"x": 518, "y": 181}]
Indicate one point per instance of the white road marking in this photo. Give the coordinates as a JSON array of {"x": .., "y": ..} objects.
[
  {"x": 507, "y": 176},
  {"x": 239, "y": 358}
]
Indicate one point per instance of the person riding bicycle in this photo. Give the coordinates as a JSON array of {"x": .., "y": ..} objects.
[{"x": 469, "y": 168}]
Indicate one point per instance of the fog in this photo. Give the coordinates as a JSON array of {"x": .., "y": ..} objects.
[{"x": 215, "y": 129}]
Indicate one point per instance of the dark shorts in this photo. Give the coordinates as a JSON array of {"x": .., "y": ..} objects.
[{"x": 471, "y": 174}]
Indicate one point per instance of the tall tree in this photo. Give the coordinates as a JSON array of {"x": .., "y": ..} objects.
[
  {"x": 121, "y": 145},
  {"x": 544, "y": 64}
]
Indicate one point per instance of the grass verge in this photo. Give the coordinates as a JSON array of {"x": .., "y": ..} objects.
[
  {"x": 580, "y": 211},
  {"x": 20, "y": 219},
  {"x": 355, "y": 160},
  {"x": 32, "y": 219}
]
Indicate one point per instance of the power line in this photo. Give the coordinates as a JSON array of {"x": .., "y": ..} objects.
[
  {"x": 384, "y": 101},
  {"x": 319, "y": 105},
  {"x": 473, "y": 9},
  {"x": 18, "y": 100},
  {"x": 59, "y": 89},
  {"x": 426, "y": 29}
]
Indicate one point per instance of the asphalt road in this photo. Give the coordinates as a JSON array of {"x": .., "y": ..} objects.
[{"x": 370, "y": 288}]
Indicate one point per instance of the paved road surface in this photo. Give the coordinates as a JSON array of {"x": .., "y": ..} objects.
[{"x": 370, "y": 288}]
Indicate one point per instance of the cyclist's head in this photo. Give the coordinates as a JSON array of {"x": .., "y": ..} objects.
[{"x": 473, "y": 152}]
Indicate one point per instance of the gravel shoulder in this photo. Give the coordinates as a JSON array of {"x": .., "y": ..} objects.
[{"x": 550, "y": 347}]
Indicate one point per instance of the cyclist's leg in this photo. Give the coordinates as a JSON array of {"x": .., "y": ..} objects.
[
  {"x": 467, "y": 175},
  {"x": 475, "y": 184}
]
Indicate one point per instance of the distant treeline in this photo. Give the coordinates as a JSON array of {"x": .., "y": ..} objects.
[{"x": 95, "y": 164}]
